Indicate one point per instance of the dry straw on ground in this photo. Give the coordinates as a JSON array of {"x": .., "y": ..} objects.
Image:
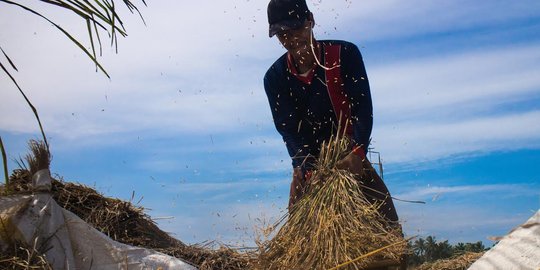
[
  {"x": 126, "y": 223},
  {"x": 120, "y": 220},
  {"x": 334, "y": 223},
  {"x": 21, "y": 257},
  {"x": 461, "y": 262}
]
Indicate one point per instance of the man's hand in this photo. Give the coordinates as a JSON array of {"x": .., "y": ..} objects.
[
  {"x": 352, "y": 162},
  {"x": 298, "y": 185}
]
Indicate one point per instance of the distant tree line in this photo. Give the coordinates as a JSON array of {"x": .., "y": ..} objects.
[{"x": 429, "y": 250}]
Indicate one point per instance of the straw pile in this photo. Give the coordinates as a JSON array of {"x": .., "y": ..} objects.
[
  {"x": 461, "y": 262},
  {"x": 120, "y": 220},
  {"x": 334, "y": 223},
  {"x": 125, "y": 223},
  {"x": 21, "y": 257}
]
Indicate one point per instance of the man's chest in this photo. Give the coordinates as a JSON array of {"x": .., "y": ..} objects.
[{"x": 311, "y": 100}]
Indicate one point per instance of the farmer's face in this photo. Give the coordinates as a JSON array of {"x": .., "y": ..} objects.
[{"x": 295, "y": 40}]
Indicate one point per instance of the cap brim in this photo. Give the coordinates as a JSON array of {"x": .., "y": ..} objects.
[{"x": 284, "y": 25}]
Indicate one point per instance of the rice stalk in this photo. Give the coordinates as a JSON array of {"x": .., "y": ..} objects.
[
  {"x": 371, "y": 253},
  {"x": 333, "y": 223},
  {"x": 23, "y": 258},
  {"x": 15, "y": 255},
  {"x": 39, "y": 158}
]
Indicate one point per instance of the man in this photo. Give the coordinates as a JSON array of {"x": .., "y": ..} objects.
[{"x": 315, "y": 87}]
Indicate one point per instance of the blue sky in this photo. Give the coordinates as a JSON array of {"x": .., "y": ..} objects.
[{"x": 184, "y": 121}]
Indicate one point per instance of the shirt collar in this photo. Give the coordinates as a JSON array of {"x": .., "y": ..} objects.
[{"x": 307, "y": 79}]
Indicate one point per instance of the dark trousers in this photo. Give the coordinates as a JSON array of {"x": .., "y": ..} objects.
[{"x": 376, "y": 191}]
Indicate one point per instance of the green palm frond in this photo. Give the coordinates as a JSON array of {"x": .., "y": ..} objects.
[
  {"x": 99, "y": 15},
  {"x": 4, "y": 162}
]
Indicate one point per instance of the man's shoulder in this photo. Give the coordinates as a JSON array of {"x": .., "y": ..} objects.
[
  {"x": 278, "y": 68},
  {"x": 338, "y": 42},
  {"x": 335, "y": 42},
  {"x": 348, "y": 49}
]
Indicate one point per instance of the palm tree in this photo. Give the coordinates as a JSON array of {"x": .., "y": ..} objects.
[
  {"x": 100, "y": 16},
  {"x": 419, "y": 251},
  {"x": 459, "y": 248},
  {"x": 431, "y": 245},
  {"x": 443, "y": 250},
  {"x": 475, "y": 247},
  {"x": 420, "y": 247}
]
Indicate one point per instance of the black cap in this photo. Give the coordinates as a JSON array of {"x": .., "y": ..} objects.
[{"x": 286, "y": 14}]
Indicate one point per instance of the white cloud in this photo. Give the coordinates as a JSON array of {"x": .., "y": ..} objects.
[
  {"x": 389, "y": 19},
  {"x": 434, "y": 108},
  {"x": 180, "y": 50},
  {"x": 414, "y": 141},
  {"x": 419, "y": 89},
  {"x": 158, "y": 60},
  {"x": 457, "y": 222},
  {"x": 465, "y": 212},
  {"x": 234, "y": 223},
  {"x": 237, "y": 186},
  {"x": 454, "y": 81},
  {"x": 435, "y": 192}
]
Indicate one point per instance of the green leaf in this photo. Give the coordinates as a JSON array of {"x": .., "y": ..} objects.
[{"x": 4, "y": 161}]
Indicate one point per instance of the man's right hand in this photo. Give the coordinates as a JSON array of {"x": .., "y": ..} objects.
[{"x": 298, "y": 185}]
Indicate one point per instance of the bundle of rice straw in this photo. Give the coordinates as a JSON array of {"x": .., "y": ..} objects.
[{"x": 334, "y": 225}]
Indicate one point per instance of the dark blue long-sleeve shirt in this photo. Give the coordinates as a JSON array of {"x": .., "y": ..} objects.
[{"x": 303, "y": 112}]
